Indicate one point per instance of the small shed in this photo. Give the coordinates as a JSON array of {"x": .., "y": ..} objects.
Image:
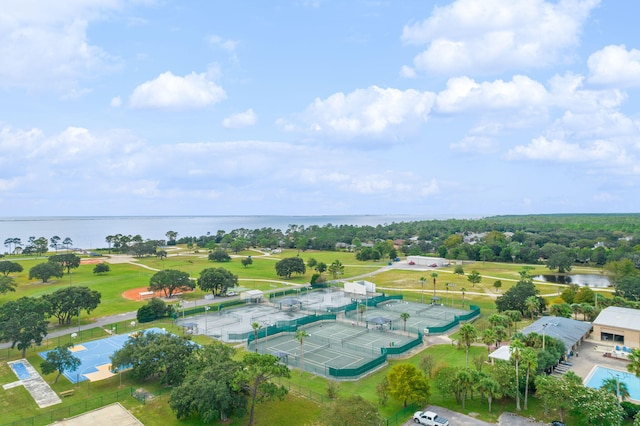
[
  {"x": 252, "y": 296},
  {"x": 503, "y": 353}
]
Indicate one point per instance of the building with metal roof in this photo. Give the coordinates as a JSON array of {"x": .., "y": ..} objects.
[
  {"x": 571, "y": 332},
  {"x": 618, "y": 326}
]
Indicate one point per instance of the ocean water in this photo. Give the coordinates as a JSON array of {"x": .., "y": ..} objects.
[{"x": 90, "y": 232}]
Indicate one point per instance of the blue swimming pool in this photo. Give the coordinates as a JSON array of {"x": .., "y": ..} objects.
[
  {"x": 600, "y": 374},
  {"x": 21, "y": 370}
]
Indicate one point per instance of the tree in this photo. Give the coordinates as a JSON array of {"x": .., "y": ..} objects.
[
  {"x": 171, "y": 237},
  {"x": 464, "y": 382},
  {"x": 44, "y": 271},
  {"x": 405, "y": 316},
  {"x": 336, "y": 269},
  {"x": 558, "y": 257},
  {"x": 407, "y": 384},
  {"x": 463, "y": 291},
  {"x": 155, "y": 355},
  {"x": 515, "y": 297},
  {"x": 474, "y": 278},
  {"x": 616, "y": 387},
  {"x": 530, "y": 362},
  {"x": 467, "y": 334},
  {"x": 427, "y": 363},
  {"x": 300, "y": 336},
  {"x": 67, "y": 302},
  {"x": 634, "y": 362},
  {"x": 256, "y": 327},
  {"x": 458, "y": 270},
  {"x": 7, "y": 267},
  {"x": 291, "y": 265},
  {"x": 101, "y": 268},
  {"x": 533, "y": 305},
  {"x": 217, "y": 280},
  {"x": 170, "y": 281},
  {"x": 7, "y": 284},
  {"x": 321, "y": 267},
  {"x": 382, "y": 390},
  {"x": 256, "y": 378},
  {"x": 434, "y": 275},
  {"x": 497, "y": 285},
  {"x": 422, "y": 281},
  {"x": 154, "y": 309},
  {"x": 23, "y": 322},
  {"x": 490, "y": 388},
  {"x": 68, "y": 261},
  {"x": 246, "y": 261},
  {"x": 352, "y": 411},
  {"x": 60, "y": 359},
  {"x": 219, "y": 256},
  {"x": 488, "y": 338},
  {"x": 515, "y": 349},
  {"x": 209, "y": 390}
]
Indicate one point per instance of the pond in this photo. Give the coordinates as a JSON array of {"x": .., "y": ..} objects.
[{"x": 583, "y": 280}]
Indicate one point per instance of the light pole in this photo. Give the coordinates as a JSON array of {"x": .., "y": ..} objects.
[
  {"x": 544, "y": 327},
  {"x": 206, "y": 311},
  {"x": 422, "y": 280}
]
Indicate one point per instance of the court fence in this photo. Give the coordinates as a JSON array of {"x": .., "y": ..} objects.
[
  {"x": 74, "y": 409},
  {"x": 474, "y": 313}
]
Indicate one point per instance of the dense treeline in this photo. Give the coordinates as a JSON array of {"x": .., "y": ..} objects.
[{"x": 558, "y": 240}]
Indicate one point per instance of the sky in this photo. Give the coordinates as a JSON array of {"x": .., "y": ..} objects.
[{"x": 319, "y": 107}]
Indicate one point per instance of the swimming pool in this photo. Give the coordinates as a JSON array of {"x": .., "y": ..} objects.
[
  {"x": 21, "y": 370},
  {"x": 600, "y": 374}
]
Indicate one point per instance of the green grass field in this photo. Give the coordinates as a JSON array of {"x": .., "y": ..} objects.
[{"x": 18, "y": 404}]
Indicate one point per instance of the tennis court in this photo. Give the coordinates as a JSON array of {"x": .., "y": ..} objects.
[
  {"x": 421, "y": 316},
  {"x": 95, "y": 357},
  {"x": 333, "y": 346}
]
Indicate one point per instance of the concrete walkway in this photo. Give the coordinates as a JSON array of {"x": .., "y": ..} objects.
[{"x": 35, "y": 385}]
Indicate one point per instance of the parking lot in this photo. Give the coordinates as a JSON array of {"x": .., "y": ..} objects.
[{"x": 459, "y": 419}]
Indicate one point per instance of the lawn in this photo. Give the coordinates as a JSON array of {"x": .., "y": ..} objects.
[{"x": 17, "y": 403}]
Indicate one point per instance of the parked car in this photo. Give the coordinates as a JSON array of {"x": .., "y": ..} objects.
[
  {"x": 231, "y": 293},
  {"x": 412, "y": 262},
  {"x": 434, "y": 265},
  {"x": 557, "y": 423},
  {"x": 429, "y": 418}
]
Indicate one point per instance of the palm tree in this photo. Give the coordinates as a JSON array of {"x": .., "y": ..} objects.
[
  {"x": 489, "y": 338},
  {"x": 362, "y": 308},
  {"x": 634, "y": 362},
  {"x": 255, "y": 327},
  {"x": 434, "y": 275},
  {"x": 463, "y": 291},
  {"x": 515, "y": 348},
  {"x": 501, "y": 334},
  {"x": 300, "y": 335},
  {"x": 616, "y": 387},
  {"x": 467, "y": 335},
  {"x": 530, "y": 361},
  {"x": 490, "y": 387},
  {"x": 533, "y": 305},
  {"x": 422, "y": 280},
  {"x": 405, "y": 316},
  {"x": 464, "y": 380}
]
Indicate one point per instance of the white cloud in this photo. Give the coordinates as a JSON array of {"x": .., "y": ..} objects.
[
  {"x": 615, "y": 65},
  {"x": 45, "y": 46},
  {"x": 464, "y": 94},
  {"x": 599, "y": 151},
  {"x": 473, "y": 36},
  {"x": 372, "y": 112},
  {"x": 480, "y": 144},
  {"x": 228, "y": 45},
  {"x": 242, "y": 119},
  {"x": 175, "y": 92},
  {"x": 116, "y": 102}
]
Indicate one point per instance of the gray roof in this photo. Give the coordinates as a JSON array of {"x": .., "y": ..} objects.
[
  {"x": 567, "y": 330},
  {"x": 614, "y": 316}
]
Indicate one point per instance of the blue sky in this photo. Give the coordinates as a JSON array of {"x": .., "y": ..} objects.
[{"x": 313, "y": 107}]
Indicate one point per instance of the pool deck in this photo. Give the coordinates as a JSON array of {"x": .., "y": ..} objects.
[
  {"x": 592, "y": 353},
  {"x": 40, "y": 390}
]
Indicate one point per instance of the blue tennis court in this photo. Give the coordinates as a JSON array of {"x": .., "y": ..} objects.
[{"x": 95, "y": 357}]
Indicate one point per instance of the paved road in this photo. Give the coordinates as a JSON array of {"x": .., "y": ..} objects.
[{"x": 459, "y": 419}]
